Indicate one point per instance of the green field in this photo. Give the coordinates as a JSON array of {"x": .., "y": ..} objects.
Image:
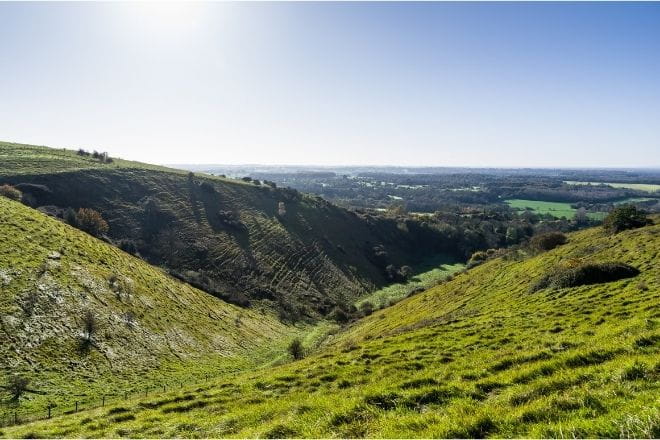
[
  {"x": 556, "y": 209},
  {"x": 649, "y": 187},
  {"x": 477, "y": 356},
  {"x": 429, "y": 274}
]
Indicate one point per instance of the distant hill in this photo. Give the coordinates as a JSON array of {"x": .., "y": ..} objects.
[
  {"x": 147, "y": 326},
  {"x": 487, "y": 354},
  {"x": 242, "y": 241}
]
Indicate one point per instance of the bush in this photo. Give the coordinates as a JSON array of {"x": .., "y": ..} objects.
[
  {"x": 366, "y": 308},
  {"x": 547, "y": 241},
  {"x": 339, "y": 315},
  {"x": 17, "y": 386},
  {"x": 585, "y": 274},
  {"x": 10, "y": 192},
  {"x": 406, "y": 272},
  {"x": 477, "y": 258},
  {"x": 90, "y": 325},
  {"x": 71, "y": 217},
  {"x": 296, "y": 349},
  {"x": 625, "y": 217},
  {"x": 91, "y": 222},
  {"x": 128, "y": 246}
]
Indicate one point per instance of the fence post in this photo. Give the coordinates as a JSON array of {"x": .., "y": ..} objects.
[
  {"x": 103, "y": 401},
  {"x": 49, "y": 411},
  {"x": 76, "y": 406},
  {"x": 15, "y": 418},
  {"x": 164, "y": 388}
]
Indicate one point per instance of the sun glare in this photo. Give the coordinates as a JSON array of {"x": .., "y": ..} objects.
[{"x": 165, "y": 18}]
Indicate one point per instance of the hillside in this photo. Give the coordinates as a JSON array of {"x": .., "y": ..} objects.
[
  {"x": 482, "y": 355},
  {"x": 240, "y": 241},
  {"x": 148, "y": 327}
]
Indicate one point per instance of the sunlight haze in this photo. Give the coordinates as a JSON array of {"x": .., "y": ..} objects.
[{"x": 439, "y": 84}]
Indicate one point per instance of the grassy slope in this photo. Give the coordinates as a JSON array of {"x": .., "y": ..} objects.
[
  {"x": 33, "y": 159},
  {"x": 314, "y": 255},
  {"x": 176, "y": 332},
  {"x": 476, "y": 356}
]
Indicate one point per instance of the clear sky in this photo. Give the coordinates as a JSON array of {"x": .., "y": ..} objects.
[{"x": 480, "y": 84}]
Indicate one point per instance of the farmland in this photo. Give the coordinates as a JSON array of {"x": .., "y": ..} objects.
[
  {"x": 648, "y": 187},
  {"x": 556, "y": 209}
]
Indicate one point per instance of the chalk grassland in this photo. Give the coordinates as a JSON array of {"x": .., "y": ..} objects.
[
  {"x": 556, "y": 209},
  {"x": 150, "y": 328},
  {"x": 649, "y": 187},
  {"x": 477, "y": 356}
]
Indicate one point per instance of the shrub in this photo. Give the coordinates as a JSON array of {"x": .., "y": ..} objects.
[
  {"x": 128, "y": 246},
  {"x": 17, "y": 386},
  {"x": 477, "y": 258},
  {"x": 585, "y": 274},
  {"x": 547, "y": 241},
  {"x": 91, "y": 222},
  {"x": 90, "y": 325},
  {"x": 71, "y": 217},
  {"x": 366, "y": 308},
  {"x": 625, "y": 217},
  {"x": 406, "y": 272},
  {"x": 10, "y": 192},
  {"x": 296, "y": 349},
  {"x": 340, "y": 315}
]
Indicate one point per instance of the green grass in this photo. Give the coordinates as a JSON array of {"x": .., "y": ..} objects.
[
  {"x": 228, "y": 233},
  {"x": 477, "y": 356},
  {"x": 32, "y": 159},
  {"x": 556, "y": 209},
  {"x": 152, "y": 329},
  {"x": 648, "y": 187},
  {"x": 432, "y": 272}
]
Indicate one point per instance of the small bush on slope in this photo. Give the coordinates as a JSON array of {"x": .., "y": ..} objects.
[
  {"x": 10, "y": 192},
  {"x": 584, "y": 274},
  {"x": 547, "y": 241}
]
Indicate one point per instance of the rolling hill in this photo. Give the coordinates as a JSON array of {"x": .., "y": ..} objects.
[
  {"x": 147, "y": 328},
  {"x": 241, "y": 241},
  {"x": 490, "y": 353}
]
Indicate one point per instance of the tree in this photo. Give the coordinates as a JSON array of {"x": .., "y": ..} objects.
[
  {"x": 391, "y": 272},
  {"x": 17, "y": 386},
  {"x": 625, "y": 217},
  {"x": 91, "y": 222},
  {"x": 10, "y": 192},
  {"x": 296, "y": 349},
  {"x": 581, "y": 217},
  {"x": 406, "y": 272},
  {"x": 90, "y": 325},
  {"x": 366, "y": 308},
  {"x": 71, "y": 217}
]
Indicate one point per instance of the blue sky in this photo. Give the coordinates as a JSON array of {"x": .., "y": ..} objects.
[{"x": 479, "y": 84}]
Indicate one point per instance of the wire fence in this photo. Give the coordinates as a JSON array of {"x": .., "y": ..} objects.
[{"x": 13, "y": 415}]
